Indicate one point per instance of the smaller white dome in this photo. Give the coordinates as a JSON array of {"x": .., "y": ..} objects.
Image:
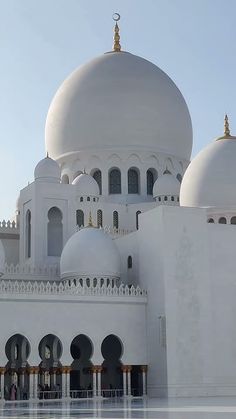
[
  {"x": 47, "y": 170},
  {"x": 210, "y": 179},
  {"x": 86, "y": 185},
  {"x": 166, "y": 185},
  {"x": 2, "y": 259},
  {"x": 90, "y": 253}
]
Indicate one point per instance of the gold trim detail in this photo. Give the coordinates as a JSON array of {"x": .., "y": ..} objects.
[
  {"x": 116, "y": 37},
  {"x": 227, "y": 135}
]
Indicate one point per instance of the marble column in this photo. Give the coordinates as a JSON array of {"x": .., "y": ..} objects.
[
  {"x": 144, "y": 379},
  {"x": 129, "y": 368},
  {"x": 63, "y": 382},
  {"x": 36, "y": 379},
  {"x": 2, "y": 372},
  {"x": 68, "y": 370},
  {"x": 124, "y": 369},
  {"x": 31, "y": 383},
  {"x": 99, "y": 379},
  {"x": 94, "y": 372}
]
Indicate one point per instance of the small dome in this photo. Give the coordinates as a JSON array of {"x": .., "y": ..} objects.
[
  {"x": 166, "y": 185},
  {"x": 90, "y": 253},
  {"x": 2, "y": 259},
  {"x": 47, "y": 170},
  {"x": 86, "y": 185}
]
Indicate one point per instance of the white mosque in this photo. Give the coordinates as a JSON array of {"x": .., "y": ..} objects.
[{"x": 118, "y": 278}]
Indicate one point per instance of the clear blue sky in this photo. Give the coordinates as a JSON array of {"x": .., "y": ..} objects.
[{"x": 42, "y": 41}]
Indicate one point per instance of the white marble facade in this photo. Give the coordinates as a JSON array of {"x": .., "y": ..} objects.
[{"x": 116, "y": 279}]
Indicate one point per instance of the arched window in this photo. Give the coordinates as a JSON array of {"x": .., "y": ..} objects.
[
  {"x": 65, "y": 179},
  {"x": 115, "y": 220},
  {"x": 28, "y": 234},
  {"x": 233, "y": 220},
  {"x": 172, "y": 198},
  {"x": 151, "y": 178},
  {"x": 165, "y": 198},
  {"x": 222, "y": 220},
  {"x": 99, "y": 218},
  {"x": 137, "y": 223},
  {"x": 79, "y": 218},
  {"x": 114, "y": 181},
  {"x": 210, "y": 220},
  {"x": 133, "y": 181},
  {"x": 129, "y": 262},
  {"x": 55, "y": 232},
  {"x": 179, "y": 177},
  {"x": 97, "y": 175}
]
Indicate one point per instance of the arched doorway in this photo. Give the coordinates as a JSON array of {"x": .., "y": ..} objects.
[
  {"x": 112, "y": 377},
  {"x": 81, "y": 373},
  {"x": 16, "y": 380},
  {"x": 136, "y": 381},
  {"x": 50, "y": 383}
]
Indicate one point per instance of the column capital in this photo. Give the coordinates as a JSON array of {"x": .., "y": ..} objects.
[
  {"x": 33, "y": 369},
  {"x": 2, "y": 370},
  {"x": 124, "y": 368},
  {"x": 128, "y": 368},
  {"x": 66, "y": 369},
  {"x": 144, "y": 368},
  {"x": 97, "y": 368}
]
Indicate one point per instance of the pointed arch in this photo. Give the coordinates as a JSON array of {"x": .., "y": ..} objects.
[
  {"x": 114, "y": 181},
  {"x": 99, "y": 218},
  {"x": 151, "y": 178},
  {"x": 28, "y": 234},
  {"x": 115, "y": 219},
  {"x": 97, "y": 175},
  {"x": 133, "y": 180},
  {"x": 80, "y": 218},
  {"x": 55, "y": 232}
]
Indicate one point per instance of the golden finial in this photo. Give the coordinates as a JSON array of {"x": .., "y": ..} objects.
[
  {"x": 116, "y": 37},
  {"x": 227, "y": 134},
  {"x": 226, "y": 126},
  {"x": 90, "y": 222}
]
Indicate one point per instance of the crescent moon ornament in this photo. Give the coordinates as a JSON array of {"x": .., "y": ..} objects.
[{"x": 116, "y": 17}]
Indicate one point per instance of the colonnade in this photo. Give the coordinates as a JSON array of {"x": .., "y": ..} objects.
[{"x": 35, "y": 376}]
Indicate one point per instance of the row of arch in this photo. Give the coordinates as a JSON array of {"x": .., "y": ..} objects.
[
  {"x": 50, "y": 349},
  {"x": 223, "y": 220},
  {"x": 55, "y": 228},
  {"x": 54, "y": 232},
  {"x": 80, "y": 219},
  {"x": 133, "y": 180}
]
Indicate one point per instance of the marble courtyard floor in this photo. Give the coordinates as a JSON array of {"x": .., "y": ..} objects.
[{"x": 191, "y": 408}]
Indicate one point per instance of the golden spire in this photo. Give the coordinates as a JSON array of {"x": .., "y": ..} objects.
[
  {"x": 90, "y": 222},
  {"x": 227, "y": 134},
  {"x": 226, "y": 126},
  {"x": 116, "y": 37}
]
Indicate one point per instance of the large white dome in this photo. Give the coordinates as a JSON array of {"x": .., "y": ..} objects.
[
  {"x": 118, "y": 100},
  {"x": 210, "y": 179},
  {"x": 90, "y": 253}
]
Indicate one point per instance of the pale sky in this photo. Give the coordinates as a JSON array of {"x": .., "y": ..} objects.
[{"x": 43, "y": 41}]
